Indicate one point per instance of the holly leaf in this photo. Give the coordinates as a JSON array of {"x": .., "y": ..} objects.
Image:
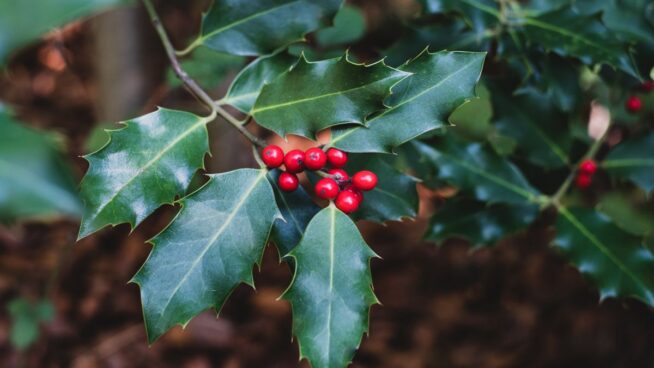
[
  {"x": 615, "y": 260},
  {"x": 248, "y": 28},
  {"x": 569, "y": 33},
  {"x": 209, "y": 248},
  {"x": 534, "y": 123},
  {"x": 35, "y": 181},
  {"x": 313, "y": 96},
  {"x": 247, "y": 85},
  {"x": 421, "y": 103},
  {"x": 634, "y": 160},
  {"x": 297, "y": 208},
  {"x": 480, "y": 223},
  {"x": 395, "y": 195},
  {"x": 476, "y": 168},
  {"x": 628, "y": 210},
  {"x": 331, "y": 292},
  {"x": 144, "y": 165},
  {"x": 24, "y": 21}
]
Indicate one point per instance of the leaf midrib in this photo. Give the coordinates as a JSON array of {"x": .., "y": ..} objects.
[
  {"x": 313, "y": 98},
  {"x": 497, "y": 180},
  {"x": 599, "y": 245},
  {"x": 157, "y": 157},
  {"x": 392, "y": 108},
  {"x": 628, "y": 162},
  {"x": 213, "y": 239},
  {"x": 564, "y": 32},
  {"x": 556, "y": 149},
  {"x": 332, "y": 236},
  {"x": 241, "y": 21}
]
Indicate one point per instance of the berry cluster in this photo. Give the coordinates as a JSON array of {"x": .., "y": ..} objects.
[
  {"x": 338, "y": 186},
  {"x": 585, "y": 174},
  {"x": 634, "y": 104}
]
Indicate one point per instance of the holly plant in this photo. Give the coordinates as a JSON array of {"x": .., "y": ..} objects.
[{"x": 557, "y": 127}]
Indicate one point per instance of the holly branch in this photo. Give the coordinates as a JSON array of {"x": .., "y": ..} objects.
[{"x": 193, "y": 86}]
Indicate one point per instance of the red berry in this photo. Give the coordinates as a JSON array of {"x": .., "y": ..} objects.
[
  {"x": 364, "y": 180},
  {"x": 647, "y": 86},
  {"x": 347, "y": 201},
  {"x": 357, "y": 192},
  {"x": 294, "y": 161},
  {"x": 315, "y": 158},
  {"x": 583, "y": 180},
  {"x": 588, "y": 167},
  {"x": 327, "y": 188},
  {"x": 339, "y": 174},
  {"x": 272, "y": 156},
  {"x": 288, "y": 182},
  {"x": 634, "y": 104},
  {"x": 336, "y": 157}
]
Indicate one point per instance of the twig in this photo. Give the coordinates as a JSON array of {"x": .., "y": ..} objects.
[
  {"x": 190, "y": 83},
  {"x": 556, "y": 198}
]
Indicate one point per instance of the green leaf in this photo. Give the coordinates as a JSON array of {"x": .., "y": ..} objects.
[
  {"x": 349, "y": 26},
  {"x": 480, "y": 223},
  {"x": 25, "y": 320},
  {"x": 535, "y": 124},
  {"x": 615, "y": 260},
  {"x": 476, "y": 168},
  {"x": 297, "y": 208},
  {"x": 247, "y": 85},
  {"x": 331, "y": 292},
  {"x": 634, "y": 160},
  {"x": 569, "y": 33},
  {"x": 206, "y": 67},
  {"x": 35, "y": 181},
  {"x": 24, "y": 21},
  {"x": 421, "y": 103},
  {"x": 316, "y": 95},
  {"x": 145, "y": 164},
  {"x": 395, "y": 196},
  {"x": 558, "y": 78},
  {"x": 208, "y": 249},
  {"x": 245, "y": 27},
  {"x": 630, "y": 211}
]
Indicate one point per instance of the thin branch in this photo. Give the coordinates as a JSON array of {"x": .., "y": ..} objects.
[
  {"x": 556, "y": 198},
  {"x": 190, "y": 83}
]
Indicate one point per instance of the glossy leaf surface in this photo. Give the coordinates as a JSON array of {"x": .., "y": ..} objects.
[
  {"x": 247, "y": 85},
  {"x": 421, "y": 103},
  {"x": 208, "y": 249},
  {"x": 615, "y": 260},
  {"x": 395, "y": 196},
  {"x": 569, "y": 33},
  {"x": 316, "y": 95},
  {"x": 144, "y": 165},
  {"x": 245, "y": 27},
  {"x": 331, "y": 292},
  {"x": 297, "y": 208}
]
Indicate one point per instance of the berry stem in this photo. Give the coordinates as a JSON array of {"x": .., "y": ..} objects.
[
  {"x": 191, "y": 84},
  {"x": 555, "y": 200}
]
